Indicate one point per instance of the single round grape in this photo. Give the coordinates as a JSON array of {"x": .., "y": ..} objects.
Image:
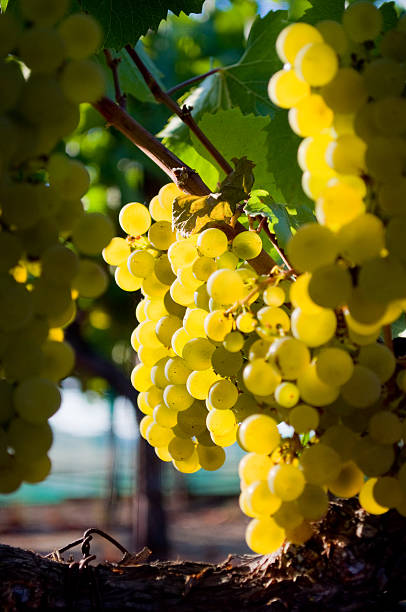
[
  {"x": 367, "y": 499},
  {"x": 203, "y": 267},
  {"x": 247, "y": 245},
  {"x": 179, "y": 339},
  {"x": 197, "y": 353},
  {"x": 59, "y": 359},
  {"x": 385, "y": 427},
  {"x": 387, "y": 491},
  {"x": 259, "y": 434},
  {"x": 303, "y": 418},
  {"x": 288, "y": 516},
  {"x": 91, "y": 280},
  {"x": 177, "y": 397},
  {"x": 339, "y": 204},
  {"x": 293, "y": 38},
  {"x": 272, "y": 321},
  {"x": 83, "y": 81},
  {"x": 190, "y": 466},
  {"x": 285, "y": 89},
  {"x": 125, "y": 280},
  {"x": 145, "y": 422},
  {"x": 212, "y": 242},
  {"x": 334, "y": 366},
  {"x": 310, "y": 116},
  {"x": 223, "y": 395},
  {"x": 193, "y": 420},
  {"x": 92, "y": 233},
  {"x": 140, "y": 377},
  {"x": 348, "y": 482},
  {"x": 177, "y": 371},
  {"x": 158, "y": 436},
  {"x": 81, "y": 34},
  {"x": 259, "y": 499},
  {"x": 246, "y": 322},
  {"x": 314, "y": 329},
  {"x": 316, "y": 64},
  {"x": 263, "y": 535},
  {"x": 362, "y": 238},
  {"x": 34, "y": 471},
  {"x": 193, "y": 322},
  {"x": 372, "y": 458},
  {"x": 313, "y": 502},
  {"x": 166, "y": 327},
  {"x": 152, "y": 287},
  {"x": 313, "y": 390},
  {"x": 254, "y": 466},
  {"x": 163, "y": 270},
  {"x": 330, "y": 286},
  {"x": 166, "y": 196},
  {"x": 181, "y": 449},
  {"x": 225, "y": 286},
  {"x": 160, "y": 235},
  {"x": 363, "y": 388},
  {"x": 261, "y": 377},
  {"x": 225, "y": 363},
  {"x": 59, "y": 264},
  {"x": 41, "y": 49},
  {"x": 217, "y": 325},
  {"x": 36, "y": 399},
  {"x": 378, "y": 358},
  {"x": 134, "y": 219},
  {"x": 220, "y": 421},
  {"x": 291, "y": 356},
  {"x": 362, "y": 21},
  {"x": 140, "y": 263},
  {"x": 227, "y": 260},
  {"x": 233, "y": 342},
  {"x": 200, "y": 381},
  {"x": 30, "y": 441},
  {"x": 211, "y": 458},
  {"x": 320, "y": 463},
  {"x": 274, "y": 296},
  {"x": 157, "y": 373},
  {"x": 286, "y": 481},
  {"x": 312, "y": 246},
  {"x": 334, "y": 35}
]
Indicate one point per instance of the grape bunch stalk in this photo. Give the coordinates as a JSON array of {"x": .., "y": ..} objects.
[
  {"x": 45, "y": 73},
  {"x": 228, "y": 355}
]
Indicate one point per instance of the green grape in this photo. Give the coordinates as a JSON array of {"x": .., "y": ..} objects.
[
  {"x": 384, "y": 77},
  {"x": 29, "y": 440},
  {"x": 9, "y": 33},
  {"x": 225, "y": 363},
  {"x": 41, "y": 49},
  {"x": 181, "y": 449},
  {"x": 334, "y": 366},
  {"x": 152, "y": 287},
  {"x": 158, "y": 377},
  {"x": 346, "y": 155},
  {"x": 217, "y": 325},
  {"x": 291, "y": 356},
  {"x": 274, "y": 296},
  {"x": 272, "y": 321},
  {"x": 200, "y": 381},
  {"x": 16, "y": 306},
  {"x": 225, "y": 286},
  {"x": 310, "y": 116},
  {"x": 378, "y": 358},
  {"x": 211, "y": 458},
  {"x": 140, "y": 377},
  {"x": 20, "y": 205},
  {"x": 44, "y": 12},
  {"x": 69, "y": 177},
  {"x": 261, "y": 377},
  {"x": 91, "y": 280},
  {"x": 145, "y": 422},
  {"x": 364, "y": 312},
  {"x": 193, "y": 322},
  {"x": 83, "y": 81},
  {"x": 34, "y": 471},
  {"x": 92, "y": 233},
  {"x": 299, "y": 294},
  {"x": 264, "y": 535},
  {"x": 227, "y": 260},
  {"x": 330, "y": 286},
  {"x": 260, "y": 500},
  {"x": 395, "y": 238},
  {"x": 233, "y": 342},
  {"x": 259, "y": 434},
  {"x": 36, "y": 399},
  {"x": 313, "y": 502},
  {"x": 212, "y": 242},
  {"x": 316, "y": 64},
  {"x": 11, "y": 83},
  {"x": 314, "y": 329},
  {"x": 204, "y": 437},
  {"x": 158, "y": 436},
  {"x": 22, "y": 359},
  {"x": 81, "y": 34},
  {"x": 349, "y": 481},
  {"x": 313, "y": 390},
  {"x": 166, "y": 196},
  {"x": 180, "y": 294},
  {"x": 385, "y": 158},
  {"x": 203, "y": 267},
  {"x": 245, "y": 406},
  {"x": 223, "y": 395},
  {"x": 303, "y": 418},
  {"x": 384, "y": 278},
  {"x": 288, "y": 516},
  {"x": 59, "y": 359},
  {"x": 321, "y": 464},
  {"x": 334, "y": 35},
  {"x": 179, "y": 339},
  {"x": 142, "y": 404},
  {"x": 312, "y": 246},
  {"x": 393, "y": 45},
  {"x": 163, "y": 454},
  {"x": 197, "y": 353},
  {"x": 389, "y": 115},
  {"x": 154, "y": 396},
  {"x": 158, "y": 213},
  {"x": 10, "y": 477},
  {"x": 254, "y": 466},
  {"x": 189, "y": 466},
  {"x": 134, "y": 218},
  {"x": 285, "y": 89},
  {"x": 385, "y": 427},
  {"x": 286, "y": 481},
  {"x": 220, "y": 421},
  {"x": 160, "y": 235},
  {"x": 177, "y": 371},
  {"x": 287, "y": 394},
  {"x": 346, "y": 93},
  {"x": 387, "y": 491},
  {"x": 187, "y": 279},
  {"x": 6, "y": 401},
  {"x": 69, "y": 214},
  {"x": 392, "y": 196},
  {"x": 193, "y": 420},
  {"x": 362, "y": 239},
  {"x": 247, "y": 245},
  {"x": 127, "y": 281},
  {"x": 166, "y": 327},
  {"x": 59, "y": 264},
  {"x": 367, "y": 500},
  {"x": 140, "y": 263},
  {"x": 373, "y": 459},
  {"x": 246, "y": 322},
  {"x": 163, "y": 270},
  {"x": 181, "y": 253},
  {"x": 364, "y": 122},
  {"x": 293, "y": 38},
  {"x": 362, "y": 21},
  {"x": 312, "y": 152},
  {"x": 339, "y": 204},
  {"x": 178, "y": 397}
]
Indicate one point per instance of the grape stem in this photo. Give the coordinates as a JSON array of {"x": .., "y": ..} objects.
[
  {"x": 192, "y": 81},
  {"x": 112, "y": 63},
  {"x": 184, "y": 112},
  {"x": 387, "y": 336}
]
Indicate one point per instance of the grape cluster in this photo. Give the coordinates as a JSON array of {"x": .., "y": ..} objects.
[
  {"x": 45, "y": 72},
  {"x": 226, "y": 355}
]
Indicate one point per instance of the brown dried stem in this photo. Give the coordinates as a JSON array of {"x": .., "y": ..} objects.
[
  {"x": 112, "y": 63},
  {"x": 183, "y": 113}
]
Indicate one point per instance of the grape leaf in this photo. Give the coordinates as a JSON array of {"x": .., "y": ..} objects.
[
  {"x": 3, "y": 5},
  {"x": 124, "y": 21},
  {"x": 389, "y": 15},
  {"x": 333, "y": 9},
  {"x": 188, "y": 154},
  {"x": 297, "y": 8},
  {"x": 131, "y": 80},
  {"x": 279, "y": 222}
]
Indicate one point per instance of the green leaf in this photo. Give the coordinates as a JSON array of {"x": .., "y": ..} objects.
[
  {"x": 333, "y": 9},
  {"x": 124, "y": 21},
  {"x": 131, "y": 80},
  {"x": 279, "y": 221},
  {"x": 282, "y": 146},
  {"x": 3, "y": 5},
  {"x": 389, "y": 14},
  {"x": 297, "y": 8},
  {"x": 190, "y": 156},
  {"x": 238, "y": 184},
  {"x": 190, "y": 214}
]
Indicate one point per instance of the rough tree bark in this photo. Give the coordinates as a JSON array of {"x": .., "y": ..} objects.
[{"x": 354, "y": 562}]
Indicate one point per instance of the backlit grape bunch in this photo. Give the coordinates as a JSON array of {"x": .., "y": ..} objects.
[
  {"x": 228, "y": 355},
  {"x": 45, "y": 72}
]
